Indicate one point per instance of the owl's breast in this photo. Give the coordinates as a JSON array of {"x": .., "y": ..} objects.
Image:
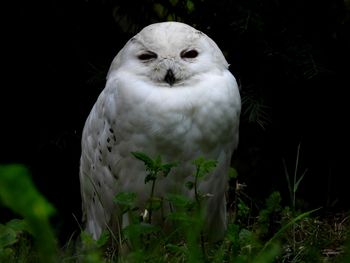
[{"x": 182, "y": 121}]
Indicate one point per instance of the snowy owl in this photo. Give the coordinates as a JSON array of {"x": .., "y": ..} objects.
[{"x": 168, "y": 92}]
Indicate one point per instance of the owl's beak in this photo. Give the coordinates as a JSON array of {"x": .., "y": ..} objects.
[{"x": 170, "y": 77}]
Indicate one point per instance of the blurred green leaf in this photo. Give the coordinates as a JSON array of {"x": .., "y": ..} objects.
[
  {"x": 18, "y": 225},
  {"x": 18, "y": 193},
  {"x": 190, "y": 6},
  {"x": 232, "y": 173},
  {"x": 245, "y": 236},
  {"x": 137, "y": 255},
  {"x": 91, "y": 248},
  {"x": 8, "y": 236},
  {"x": 232, "y": 233},
  {"x": 166, "y": 168},
  {"x": 173, "y": 2},
  {"x": 133, "y": 230},
  {"x": 157, "y": 161},
  {"x": 179, "y": 200},
  {"x": 125, "y": 198},
  {"x": 103, "y": 239},
  {"x": 6, "y": 255},
  {"x": 182, "y": 217},
  {"x": 154, "y": 203},
  {"x": 175, "y": 249},
  {"x": 269, "y": 255},
  {"x": 160, "y": 10},
  {"x": 204, "y": 166}
]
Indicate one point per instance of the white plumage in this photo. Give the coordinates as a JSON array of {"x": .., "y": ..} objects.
[{"x": 168, "y": 92}]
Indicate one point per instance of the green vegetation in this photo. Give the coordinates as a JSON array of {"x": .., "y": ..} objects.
[
  {"x": 19, "y": 194},
  {"x": 275, "y": 234}
]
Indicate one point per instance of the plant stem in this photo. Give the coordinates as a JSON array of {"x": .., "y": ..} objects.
[
  {"x": 294, "y": 194},
  {"x": 151, "y": 198},
  {"x": 295, "y": 176},
  {"x": 196, "y": 190},
  {"x": 196, "y": 194}
]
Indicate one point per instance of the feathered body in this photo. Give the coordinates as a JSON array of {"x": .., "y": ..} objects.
[{"x": 194, "y": 112}]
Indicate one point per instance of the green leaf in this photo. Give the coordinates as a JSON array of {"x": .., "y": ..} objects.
[
  {"x": 154, "y": 166},
  {"x": 173, "y": 17},
  {"x": 18, "y": 193},
  {"x": 103, "y": 239},
  {"x": 133, "y": 230},
  {"x": 268, "y": 255},
  {"x": 137, "y": 255},
  {"x": 183, "y": 218},
  {"x": 179, "y": 200},
  {"x": 299, "y": 181},
  {"x": 166, "y": 168},
  {"x": 87, "y": 240},
  {"x": 18, "y": 225},
  {"x": 91, "y": 252},
  {"x": 245, "y": 236},
  {"x": 232, "y": 233},
  {"x": 154, "y": 203},
  {"x": 160, "y": 10},
  {"x": 273, "y": 202},
  {"x": 149, "y": 163},
  {"x": 232, "y": 173},
  {"x": 204, "y": 166},
  {"x": 7, "y": 255},
  {"x": 8, "y": 236},
  {"x": 150, "y": 178},
  {"x": 175, "y": 249},
  {"x": 157, "y": 163},
  {"x": 125, "y": 198},
  {"x": 173, "y": 2},
  {"x": 284, "y": 228},
  {"x": 179, "y": 216},
  {"x": 190, "y": 6}
]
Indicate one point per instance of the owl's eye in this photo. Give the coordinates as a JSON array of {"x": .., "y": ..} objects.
[
  {"x": 147, "y": 56},
  {"x": 189, "y": 53}
]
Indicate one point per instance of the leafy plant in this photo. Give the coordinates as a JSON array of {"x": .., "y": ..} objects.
[
  {"x": 293, "y": 187},
  {"x": 15, "y": 241},
  {"x": 268, "y": 238},
  {"x": 18, "y": 193},
  {"x": 154, "y": 168}
]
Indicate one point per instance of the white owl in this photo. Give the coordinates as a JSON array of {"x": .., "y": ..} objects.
[{"x": 168, "y": 92}]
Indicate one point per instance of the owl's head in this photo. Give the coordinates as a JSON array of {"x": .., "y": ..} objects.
[{"x": 169, "y": 54}]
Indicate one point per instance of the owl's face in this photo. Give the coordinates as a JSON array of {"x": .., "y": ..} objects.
[{"x": 169, "y": 54}]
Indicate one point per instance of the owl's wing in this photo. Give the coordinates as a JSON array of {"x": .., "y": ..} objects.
[{"x": 98, "y": 159}]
